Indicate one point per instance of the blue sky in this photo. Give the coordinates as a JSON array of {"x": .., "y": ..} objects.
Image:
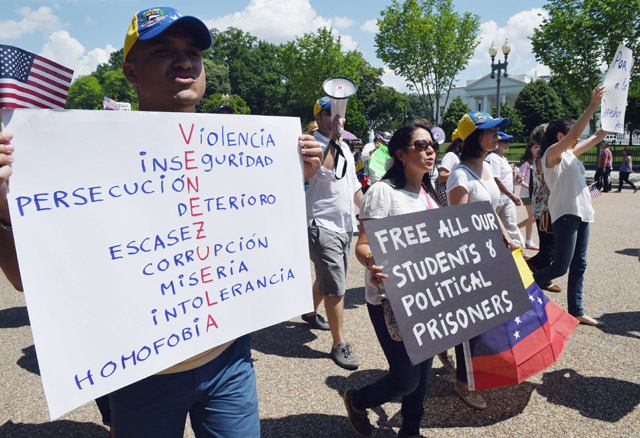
[{"x": 80, "y": 34}]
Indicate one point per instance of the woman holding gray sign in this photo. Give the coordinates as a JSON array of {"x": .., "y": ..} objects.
[
  {"x": 570, "y": 202},
  {"x": 405, "y": 188},
  {"x": 472, "y": 180}
]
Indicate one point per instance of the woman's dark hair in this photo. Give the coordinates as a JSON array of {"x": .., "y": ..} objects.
[
  {"x": 555, "y": 127},
  {"x": 401, "y": 140},
  {"x": 527, "y": 157},
  {"x": 454, "y": 147},
  {"x": 627, "y": 150},
  {"x": 471, "y": 146}
]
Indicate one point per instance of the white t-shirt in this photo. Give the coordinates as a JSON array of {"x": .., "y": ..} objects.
[
  {"x": 330, "y": 200},
  {"x": 569, "y": 193},
  {"x": 449, "y": 161},
  {"x": 382, "y": 200},
  {"x": 487, "y": 190},
  {"x": 501, "y": 168}
]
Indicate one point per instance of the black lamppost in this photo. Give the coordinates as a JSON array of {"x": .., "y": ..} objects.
[{"x": 499, "y": 66}]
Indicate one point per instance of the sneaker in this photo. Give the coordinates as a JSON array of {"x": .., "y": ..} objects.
[
  {"x": 343, "y": 357},
  {"x": 358, "y": 420},
  {"x": 316, "y": 321},
  {"x": 551, "y": 287},
  {"x": 472, "y": 398},
  {"x": 532, "y": 246}
]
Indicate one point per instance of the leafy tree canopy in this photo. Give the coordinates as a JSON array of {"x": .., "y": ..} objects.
[
  {"x": 537, "y": 103},
  {"x": 428, "y": 43},
  {"x": 452, "y": 116}
]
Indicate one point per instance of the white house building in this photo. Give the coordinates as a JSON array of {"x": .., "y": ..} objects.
[{"x": 480, "y": 94}]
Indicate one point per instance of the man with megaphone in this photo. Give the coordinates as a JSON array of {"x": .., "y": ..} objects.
[{"x": 331, "y": 195}]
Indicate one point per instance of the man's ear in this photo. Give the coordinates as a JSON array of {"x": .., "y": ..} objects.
[{"x": 129, "y": 70}]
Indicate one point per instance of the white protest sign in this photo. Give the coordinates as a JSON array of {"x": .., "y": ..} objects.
[
  {"x": 147, "y": 238},
  {"x": 614, "y": 102}
]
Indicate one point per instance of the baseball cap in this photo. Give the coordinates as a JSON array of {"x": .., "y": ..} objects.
[
  {"x": 478, "y": 120},
  {"x": 382, "y": 136},
  {"x": 321, "y": 104},
  {"x": 504, "y": 136},
  {"x": 150, "y": 23}
]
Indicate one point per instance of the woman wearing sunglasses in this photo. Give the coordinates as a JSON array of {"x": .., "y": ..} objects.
[
  {"x": 472, "y": 180},
  {"x": 406, "y": 188}
]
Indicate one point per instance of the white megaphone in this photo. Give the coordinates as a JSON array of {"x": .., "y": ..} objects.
[{"x": 339, "y": 89}]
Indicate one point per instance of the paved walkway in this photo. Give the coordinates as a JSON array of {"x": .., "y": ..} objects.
[{"x": 593, "y": 390}]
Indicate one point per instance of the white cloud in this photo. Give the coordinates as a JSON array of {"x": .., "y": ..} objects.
[
  {"x": 276, "y": 22},
  {"x": 390, "y": 79},
  {"x": 370, "y": 26},
  {"x": 343, "y": 22},
  {"x": 282, "y": 21},
  {"x": 66, "y": 50},
  {"x": 40, "y": 20},
  {"x": 518, "y": 30}
]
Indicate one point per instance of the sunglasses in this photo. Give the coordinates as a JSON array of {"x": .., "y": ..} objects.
[{"x": 422, "y": 145}]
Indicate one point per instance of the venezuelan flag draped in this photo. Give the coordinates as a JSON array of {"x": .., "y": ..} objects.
[{"x": 518, "y": 349}]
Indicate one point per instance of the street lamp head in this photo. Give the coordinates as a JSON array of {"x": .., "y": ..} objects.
[
  {"x": 493, "y": 50},
  {"x": 506, "y": 48}
]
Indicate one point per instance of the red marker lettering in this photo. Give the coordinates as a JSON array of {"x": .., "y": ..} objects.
[
  {"x": 187, "y": 140},
  {"x": 211, "y": 322}
]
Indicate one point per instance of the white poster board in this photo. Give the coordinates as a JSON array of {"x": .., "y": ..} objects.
[
  {"x": 147, "y": 238},
  {"x": 614, "y": 102}
]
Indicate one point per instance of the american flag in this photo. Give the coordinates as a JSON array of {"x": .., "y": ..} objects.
[
  {"x": 594, "y": 192},
  {"x": 109, "y": 104},
  {"x": 31, "y": 81}
]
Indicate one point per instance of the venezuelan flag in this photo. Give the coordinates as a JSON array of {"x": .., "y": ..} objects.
[{"x": 518, "y": 349}]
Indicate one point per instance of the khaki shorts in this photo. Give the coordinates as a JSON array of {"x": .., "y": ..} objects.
[{"x": 329, "y": 252}]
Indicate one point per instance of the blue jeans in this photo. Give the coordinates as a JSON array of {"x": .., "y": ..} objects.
[
  {"x": 220, "y": 398},
  {"x": 403, "y": 380},
  {"x": 571, "y": 241}
]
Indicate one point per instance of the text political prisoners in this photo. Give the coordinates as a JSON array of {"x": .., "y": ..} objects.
[{"x": 451, "y": 276}]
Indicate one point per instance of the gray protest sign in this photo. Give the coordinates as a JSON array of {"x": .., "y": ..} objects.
[{"x": 451, "y": 277}]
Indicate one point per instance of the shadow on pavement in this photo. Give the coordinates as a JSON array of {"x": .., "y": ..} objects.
[
  {"x": 354, "y": 297},
  {"x": 14, "y": 317},
  {"x": 54, "y": 429},
  {"x": 287, "y": 339},
  {"x": 628, "y": 251},
  {"x": 622, "y": 324},
  {"x": 306, "y": 425},
  {"x": 29, "y": 360},
  {"x": 601, "y": 398}
]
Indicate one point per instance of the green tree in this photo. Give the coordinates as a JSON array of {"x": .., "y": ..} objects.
[
  {"x": 537, "y": 103},
  {"x": 571, "y": 106},
  {"x": 581, "y": 35},
  {"x": 85, "y": 93},
  {"x": 114, "y": 63},
  {"x": 209, "y": 103},
  {"x": 254, "y": 69},
  {"x": 516, "y": 127},
  {"x": 386, "y": 109},
  {"x": 429, "y": 44},
  {"x": 217, "y": 78},
  {"x": 115, "y": 85},
  {"x": 316, "y": 56},
  {"x": 453, "y": 114}
]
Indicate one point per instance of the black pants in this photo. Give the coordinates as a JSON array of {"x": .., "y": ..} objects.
[
  {"x": 624, "y": 178},
  {"x": 602, "y": 178}
]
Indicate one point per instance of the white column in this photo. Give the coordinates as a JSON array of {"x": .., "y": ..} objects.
[{"x": 484, "y": 104}]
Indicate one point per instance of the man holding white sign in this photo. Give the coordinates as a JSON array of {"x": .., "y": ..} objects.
[{"x": 216, "y": 387}]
